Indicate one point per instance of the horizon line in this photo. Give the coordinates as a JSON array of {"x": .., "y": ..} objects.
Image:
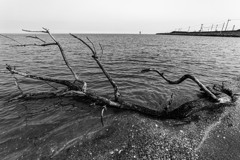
[{"x": 74, "y": 33}]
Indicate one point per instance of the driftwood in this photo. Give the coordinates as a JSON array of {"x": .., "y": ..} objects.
[{"x": 78, "y": 88}]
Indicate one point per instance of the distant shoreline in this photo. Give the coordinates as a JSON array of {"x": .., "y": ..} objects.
[{"x": 234, "y": 33}]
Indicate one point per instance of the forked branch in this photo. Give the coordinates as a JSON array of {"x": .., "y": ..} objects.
[
  {"x": 60, "y": 48},
  {"x": 95, "y": 57},
  {"x": 84, "y": 87}
]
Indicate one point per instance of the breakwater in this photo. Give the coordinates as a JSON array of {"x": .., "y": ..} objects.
[{"x": 234, "y": 33}]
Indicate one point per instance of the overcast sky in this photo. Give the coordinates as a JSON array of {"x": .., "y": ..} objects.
[{"x": 116, "y": 16}]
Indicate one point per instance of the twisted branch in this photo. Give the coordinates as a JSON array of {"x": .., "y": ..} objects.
[{"x": 186, "y": 76}]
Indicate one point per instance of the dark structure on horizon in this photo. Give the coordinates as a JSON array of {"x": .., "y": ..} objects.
[
  {"x": 224, "y": 32},
  {"x": 234, "y": 33}
]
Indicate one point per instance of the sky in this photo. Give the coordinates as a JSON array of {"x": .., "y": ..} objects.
[{"x": 117, "y": 16}]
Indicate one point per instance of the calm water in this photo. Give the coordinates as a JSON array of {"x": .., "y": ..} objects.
[{"x": 68, "y": 128}]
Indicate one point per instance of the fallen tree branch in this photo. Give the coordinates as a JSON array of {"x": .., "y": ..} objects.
[
  {"x": 78, "y": 89},
  {"x": 184, "y": 111},
  {"x": 181, "y": 112},
  {"x": 99, "y": 100},
  {"x": 186, "y": 76}
]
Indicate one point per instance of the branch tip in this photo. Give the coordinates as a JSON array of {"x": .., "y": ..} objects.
[{"x": 102, "y": 112}]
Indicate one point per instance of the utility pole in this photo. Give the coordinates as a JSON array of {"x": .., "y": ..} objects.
[
  {"x": 223, "y": 26},
  {"x": 216, "y": 27},
  {"x": 233, "y": 27},
  {"x": 211, "y": 27},
  {"x": 188, "y": 28},
  {"x": 227, "y": 24}
]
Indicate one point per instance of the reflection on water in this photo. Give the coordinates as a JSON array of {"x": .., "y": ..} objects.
[{"x": 70, "y": 129}]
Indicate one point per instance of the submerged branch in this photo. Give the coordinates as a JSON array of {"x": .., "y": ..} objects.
[
  {"x": 70, "y": 85},
  {"x": 181, "y": 112},
  {"x": 34, "y": 44}
]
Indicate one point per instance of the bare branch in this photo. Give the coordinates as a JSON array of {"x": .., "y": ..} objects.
[
  {"x": 34, "y": 44},
  {"x": 92, "y": 45},
  {"x": 25, "y": 30},
  {"x": 94, "y": 56},
  {"x": 84, "y": 88},
  {"x": 187, "y": 76},
  {"x": 63, "y": 54},
  {"x": 83, "y": 42},
  {"x": 70, "y": 85},
  {"x": 101, "y": 50},
  {"x": 36, "y": 37},
  {"x": 11, "y": 39}
]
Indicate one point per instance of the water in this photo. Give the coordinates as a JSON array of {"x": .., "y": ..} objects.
[{"x": 65, "y": 128}]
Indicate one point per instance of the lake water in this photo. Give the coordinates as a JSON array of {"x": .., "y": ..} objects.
[{"x": 65, "y": 128}]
